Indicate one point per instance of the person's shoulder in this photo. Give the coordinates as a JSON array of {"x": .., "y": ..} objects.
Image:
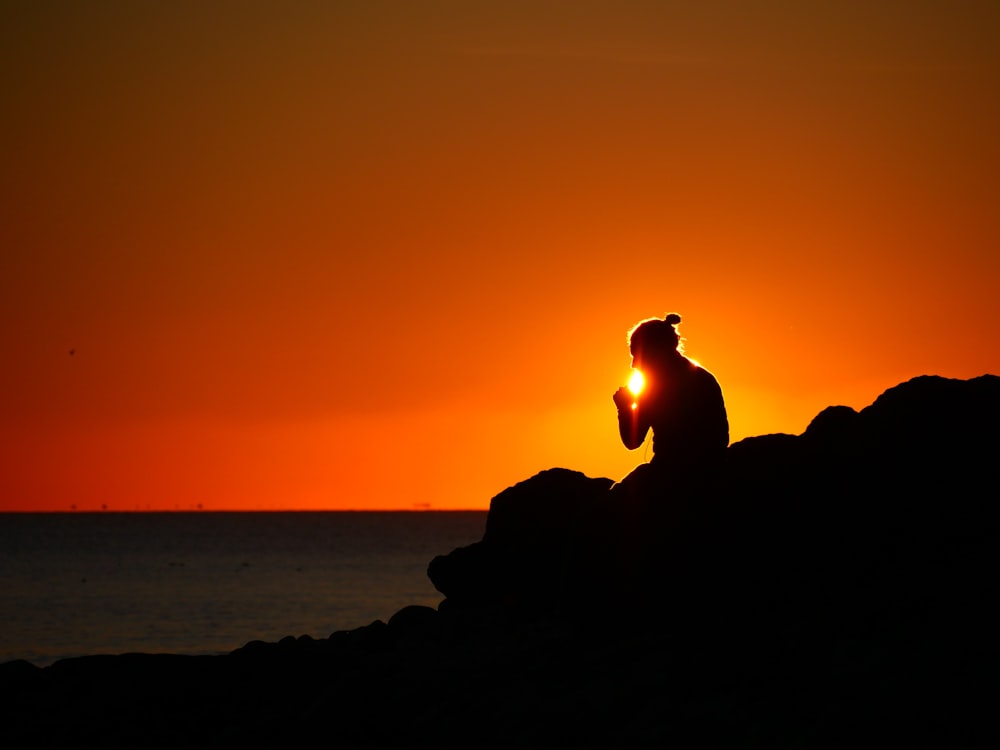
[
  {"x": 696, "y": 367},
  {"x": 699, "y": 371}
]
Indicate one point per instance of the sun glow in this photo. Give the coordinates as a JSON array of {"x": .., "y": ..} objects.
[{"x": 636, "y": 382}]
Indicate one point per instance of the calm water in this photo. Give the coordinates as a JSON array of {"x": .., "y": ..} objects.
[{"x": 196, "y": 583}]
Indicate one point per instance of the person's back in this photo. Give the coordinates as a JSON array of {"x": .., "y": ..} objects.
[{"x": 688, "y": 420}]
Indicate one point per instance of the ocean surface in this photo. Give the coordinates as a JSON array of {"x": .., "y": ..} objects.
[{"x": 73, "y": 584}]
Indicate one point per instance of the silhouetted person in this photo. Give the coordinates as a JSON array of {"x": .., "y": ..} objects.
[{"x": 680, "y": 401}]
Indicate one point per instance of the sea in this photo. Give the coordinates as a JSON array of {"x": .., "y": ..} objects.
[{"x": 76, "y": 584}]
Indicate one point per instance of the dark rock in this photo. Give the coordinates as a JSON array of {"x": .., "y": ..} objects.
[
  {"x": 525, "y": 547},
  {"x": 415, "y": 624},
  {"x": 367, "y": 637},
  {"x": 467, "y": 575},
  {"x": 19, "y": 671},
  {"x": 785, "y": 517},
  {"x": 529, "y": 515}
]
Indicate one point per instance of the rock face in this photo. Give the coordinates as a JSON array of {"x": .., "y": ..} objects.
[
  {"x": 826, "y": 589},
  {"x": 856, "y": 495},
  {"x": 522, "y": 558}
]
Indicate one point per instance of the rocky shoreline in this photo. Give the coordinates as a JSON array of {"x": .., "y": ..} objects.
[{"x": 823, "y": 590}]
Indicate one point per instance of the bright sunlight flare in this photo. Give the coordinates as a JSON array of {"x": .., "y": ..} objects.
[{"x": 636, "y": 382}]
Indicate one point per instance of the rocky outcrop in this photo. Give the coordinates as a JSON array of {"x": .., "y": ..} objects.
[
  {"x": 522, "y": 559},
  {"x": 856, "y": 495},
  {"x": 825, "y": 589}
]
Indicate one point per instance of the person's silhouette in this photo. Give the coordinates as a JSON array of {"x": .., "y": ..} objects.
[{"x": 680, "y": 401}]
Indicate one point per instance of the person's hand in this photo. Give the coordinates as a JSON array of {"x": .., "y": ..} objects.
[{"x": 623, "y": 398}]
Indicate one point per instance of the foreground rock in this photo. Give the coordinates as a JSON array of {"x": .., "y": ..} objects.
[
  {"x": 823, "y": 590},
  {"x": 794, "y": 518}
]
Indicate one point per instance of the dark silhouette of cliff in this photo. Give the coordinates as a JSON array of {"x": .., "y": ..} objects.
[{"x": 826, "y": 589}]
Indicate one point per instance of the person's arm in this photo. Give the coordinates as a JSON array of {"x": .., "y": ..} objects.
[{"x": 632, "y": 427}]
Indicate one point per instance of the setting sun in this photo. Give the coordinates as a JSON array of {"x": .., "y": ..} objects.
[{"x": 635, "y": 382}]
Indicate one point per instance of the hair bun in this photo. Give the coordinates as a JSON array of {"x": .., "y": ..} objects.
[{"x": 672, "y": 318}]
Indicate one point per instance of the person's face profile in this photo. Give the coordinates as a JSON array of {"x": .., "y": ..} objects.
[{"x": 637, "y": 359}]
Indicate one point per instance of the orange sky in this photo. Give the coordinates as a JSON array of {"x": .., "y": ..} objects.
[{"x": 385, "y": 254}]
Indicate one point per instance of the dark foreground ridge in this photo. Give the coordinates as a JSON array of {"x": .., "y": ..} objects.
[{"x": 830, "y": 589}]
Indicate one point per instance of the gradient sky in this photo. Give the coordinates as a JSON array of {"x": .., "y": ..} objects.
[{"x": 384, "y": 254}]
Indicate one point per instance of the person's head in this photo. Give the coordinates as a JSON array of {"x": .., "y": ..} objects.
[{"x": 654, "y": 339}]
